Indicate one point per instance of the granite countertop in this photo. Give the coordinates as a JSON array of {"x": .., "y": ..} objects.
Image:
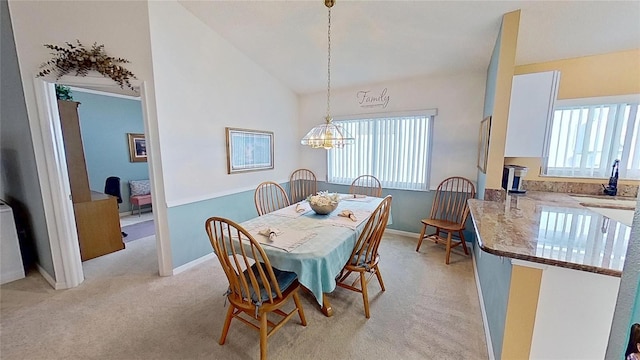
[{"x": 552, "y": 229}]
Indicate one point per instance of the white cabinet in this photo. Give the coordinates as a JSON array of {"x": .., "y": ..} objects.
[
  {"x": 10, "y": 257},
  {"x": 532, "y": 99}
]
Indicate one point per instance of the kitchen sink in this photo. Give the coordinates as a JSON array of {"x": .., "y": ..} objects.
[
  {"x": 615, "y": 208},
  {"x": 607, "y": 202}
]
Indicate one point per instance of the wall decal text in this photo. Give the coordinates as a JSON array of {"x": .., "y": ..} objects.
[{"x": 366, "y": 98}]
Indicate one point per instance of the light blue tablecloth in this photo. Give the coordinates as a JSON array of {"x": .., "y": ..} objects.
[{"x": 318, "y": 260}]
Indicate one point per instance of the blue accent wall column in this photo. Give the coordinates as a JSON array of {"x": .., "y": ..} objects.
[
  {"x": 494, "y": 274},
  {"x": 489, "y": 99},
  {"x": 627, "y": 310},
  {"x": 105, "y": 122}
]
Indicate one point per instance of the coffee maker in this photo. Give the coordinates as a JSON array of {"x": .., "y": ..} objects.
[{"x": 512, "y": 178}]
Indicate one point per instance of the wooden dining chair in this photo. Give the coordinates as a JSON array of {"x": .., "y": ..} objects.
[
  {"x": 256, "y": 289},
  {"x": 366, "y": 185},
  {"x": 270, "y": 196},
  {"x": 302, "y": 183},
  {"x": 364, "y": 257},
  {"x": 449, "y": 214}
]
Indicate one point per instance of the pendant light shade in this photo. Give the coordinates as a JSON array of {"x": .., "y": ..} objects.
[{"x": 328, "y": 135}]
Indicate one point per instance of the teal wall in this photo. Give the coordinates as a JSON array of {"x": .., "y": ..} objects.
[
  {"x": 407, "y": 208},
  {"x": 105, "y": 122},
  {"x": 492, "y": 75},
  {"x": 489, "y": 100},
  {"x": 627, "y": 310},
  {"x": 189, "y": 240},
  {"x": 19, "y": 184},
  {"x": 494, "y": 274}
]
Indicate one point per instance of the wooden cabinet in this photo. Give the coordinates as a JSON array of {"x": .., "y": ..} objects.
[
  {"x": 76, "y": 164},
  {"x": 96, "y": 214},
  {"x": 98, "y": 225},
  {"x": 532, "y": 99}
]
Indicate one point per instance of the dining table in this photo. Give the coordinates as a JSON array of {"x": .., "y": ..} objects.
[{"x": 315, "y": 247}]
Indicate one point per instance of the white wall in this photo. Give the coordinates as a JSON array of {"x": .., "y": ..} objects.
[
  {"x": 124, "y": 30},
  {"x": 574, "y": 314},
  {"x": 458, "y": 98},
  {"x": 204, "y": 84},
  {"x": 121, "y": 26}
]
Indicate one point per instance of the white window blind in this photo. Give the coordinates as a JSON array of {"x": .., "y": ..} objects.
[
  {"x": 396, "y": 150},
  {"x": 585, "y": 140}
]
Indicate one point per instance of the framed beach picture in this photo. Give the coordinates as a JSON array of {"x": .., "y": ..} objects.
[
  {"x": 137, "y": 148},
  {"x": 249, "y": 150},
  {"x": 483, "y": 143}
]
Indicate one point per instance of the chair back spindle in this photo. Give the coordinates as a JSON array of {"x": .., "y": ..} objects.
[
  {"x": 450, "y": 202},
  {"x": 270, "y": 196},
  {"x": 366, "y": 249},
  {"x": 366, "y": 185},
  {"x": 364, "y": 257},
  {"x": 256, "y": 289},
  {"x": 449, "y": 214},
  {"x": 242, "y": 252},
  {"x": 302, "y": 183}
]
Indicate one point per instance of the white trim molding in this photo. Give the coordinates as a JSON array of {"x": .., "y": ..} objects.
[
  {"x": 48, "y": 278},
  {"x": 53, "y": 177},
  {"x": 194, "y": 263},
  {"x": 104, "y": 93}
]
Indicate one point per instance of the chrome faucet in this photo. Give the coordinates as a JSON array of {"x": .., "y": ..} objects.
[{"x": 612, "y": 188}]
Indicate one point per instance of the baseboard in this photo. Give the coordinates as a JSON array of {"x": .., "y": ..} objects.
[
  {"x": 485, "y": 322},
  {"x": 10, "y": 276},
  {"x": 48, "y": 278},
  {"x": 193, "y": 263},
  {"x": 401, "y": 232},
  {"x": 135, "y": 212}
]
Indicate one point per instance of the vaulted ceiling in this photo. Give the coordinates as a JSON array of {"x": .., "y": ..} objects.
[{"x": 375, "y": 41}]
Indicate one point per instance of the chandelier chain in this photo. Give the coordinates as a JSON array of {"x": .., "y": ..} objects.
[{"x": 329, "y": 67}]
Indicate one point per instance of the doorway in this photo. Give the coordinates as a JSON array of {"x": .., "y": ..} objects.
[
  {"x": 107, "y": 123},
  {"x": 53, "y": 177}
]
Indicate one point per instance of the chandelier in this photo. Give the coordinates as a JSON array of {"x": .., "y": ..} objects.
[{"x": 328, "y": 135}]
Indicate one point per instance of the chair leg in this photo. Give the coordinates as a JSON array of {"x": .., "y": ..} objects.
[
  {"x": 225, "y": 328},
  {"x": 448, "y": 247},
  {"x": 377, "y": 270},
  {"x": 464, "y": 242},
  {"x": 296, "y": 299},
  {"x": 263, "y": 336},
  {"x": 424, "y": 229},
  {"x": 365, "y": 295}
]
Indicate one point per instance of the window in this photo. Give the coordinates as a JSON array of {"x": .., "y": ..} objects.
[
  {"x": 585, "y": 140},
  {"x": 394, "y": 149}
]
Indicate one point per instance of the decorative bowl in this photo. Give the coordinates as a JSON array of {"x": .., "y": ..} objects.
[{"x": 324, "y": 209}]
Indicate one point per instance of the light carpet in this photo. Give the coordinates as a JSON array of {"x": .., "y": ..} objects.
[{"x": 124, "y": 310}]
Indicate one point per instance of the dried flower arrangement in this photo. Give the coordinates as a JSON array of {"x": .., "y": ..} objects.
[{"x": 82, "y": 60}]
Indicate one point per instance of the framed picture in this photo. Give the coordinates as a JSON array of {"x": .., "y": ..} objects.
[
  {"x": 249, "y": 150},
  {"x": 483, "y": 143},
  {"x": 137, "y": 148}
]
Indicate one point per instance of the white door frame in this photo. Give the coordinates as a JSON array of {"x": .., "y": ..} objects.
[{"x": 53, "y": 177}]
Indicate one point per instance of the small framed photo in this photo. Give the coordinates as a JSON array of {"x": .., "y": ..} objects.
[
  {"x": 137, "y": 148},
  {"x": 249, "y": 150},
  {"x": 483, "y": 143}
]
